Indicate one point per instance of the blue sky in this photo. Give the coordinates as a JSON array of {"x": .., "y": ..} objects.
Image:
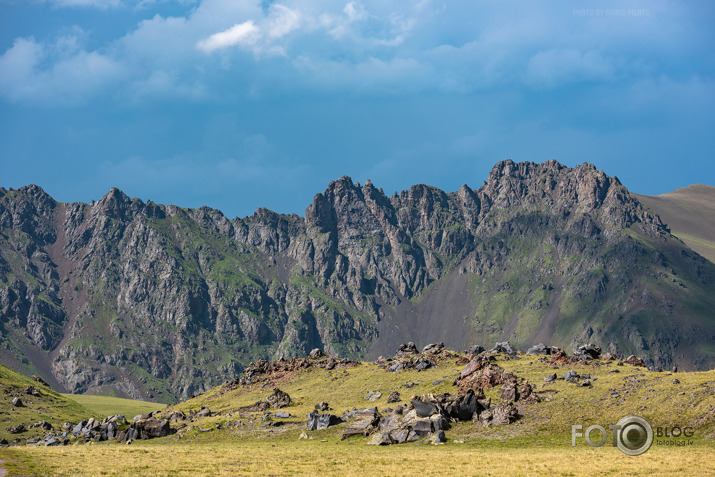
[{"x": 240, "y": 104}]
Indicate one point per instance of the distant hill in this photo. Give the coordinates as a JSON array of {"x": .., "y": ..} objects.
[
  {"x": 690, "y": 214},
  {"x": 159, "y": 302}
]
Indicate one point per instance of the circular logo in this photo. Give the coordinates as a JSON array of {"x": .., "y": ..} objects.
[{"x": 634, "y": 435}]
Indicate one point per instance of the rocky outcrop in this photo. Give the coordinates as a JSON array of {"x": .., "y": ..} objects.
[{"x": 161, "y": 302}]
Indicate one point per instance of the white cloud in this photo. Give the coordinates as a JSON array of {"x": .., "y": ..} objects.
[
  {"x": 359, "y": 46},
  {"x": 26, "y": 75},
  {"x": 244, "y": 34},
  {"x": 281, "y": 21}
]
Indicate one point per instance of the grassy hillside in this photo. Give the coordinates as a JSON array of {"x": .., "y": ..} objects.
[
  {"x": 108, "y": 405},
  {"x": 690, "y": 213},
  {"x": 233, "y": 443},
  {"x": 48, "y": 406}
]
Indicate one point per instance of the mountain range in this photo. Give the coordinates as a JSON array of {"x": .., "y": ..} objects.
[{"x": 160, "y": 302}]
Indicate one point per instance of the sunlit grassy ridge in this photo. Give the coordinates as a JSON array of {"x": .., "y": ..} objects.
[
  {"x": 108, "y": 405},
  {"x": 48, "y": 406},
  {"x": 233, "y": 443}
]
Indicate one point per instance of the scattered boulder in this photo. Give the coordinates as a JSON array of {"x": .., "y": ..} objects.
[
  {"x": 423, "y": 363},
  {"x": 508, "y": 392},
  {"x": 32, "y": 390},
  {"x": 538, "y": 349},
  {"x": 465, "y": 407},
  {"x": 394, "y": 397},
  {"x": 503, "y": 347},
  {"x": 176, "y": 416},
  {"x": 571, "y": 376},
  {"x": 433, "y": 348},
  {"x": 204, "y": 412},
  {"x": 380, "y": 439},
  {"x": 322, "y": 406},
  {"x": 43, "y": 425},
  {"x": 40, "y": 380},
  {"x": 406, "y": 349},
  {"x": 424, "y": 408},
  {"x": 437, "y": 438},
  {"x": 373, "y": 395},
  {"x": 589, "y": 351},
  {"x": 145, "y": 429},
  {"x": 502, "y": 414},
  {"x": 550, "y": 378},
  {"x": 364, "y": 423},
  {"x": 17, "y": 402},
  {"x": 635, "y": 361},
  {"x": 317, "y": 421},
  {"x": 475, "y": 349},
  {"x": 278, "y": 399},
  {"x": 283, "y": 415},
  {"x": 316, "y": 353},
  {"x": 20, "y": 428},
  {"x": 481, "y": 373}
]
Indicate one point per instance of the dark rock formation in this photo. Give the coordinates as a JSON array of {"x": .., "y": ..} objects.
[
  {"x": 317, "y": 421},
  {"x": 103, "y": 290}
]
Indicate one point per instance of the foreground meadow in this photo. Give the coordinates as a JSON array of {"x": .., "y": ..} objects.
[
  {"x": 332, "y": 457},
  {"x": 234, "y": 440}
]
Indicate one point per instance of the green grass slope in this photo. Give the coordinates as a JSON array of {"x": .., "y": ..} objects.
[
  {"x": 649, "y": 394},
  {"x": 49, "y": 406},
  {"x": 109, "y": 405},
  {"x": 690, "y": 214}
]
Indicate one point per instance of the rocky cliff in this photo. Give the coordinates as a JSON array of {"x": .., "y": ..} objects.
[{"x": 161, "y": 302}]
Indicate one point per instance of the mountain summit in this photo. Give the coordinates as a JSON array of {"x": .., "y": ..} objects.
[{"x": 161, "y": 302}]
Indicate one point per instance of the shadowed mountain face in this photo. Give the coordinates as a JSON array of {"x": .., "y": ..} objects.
[
  {"x": 690, "y": 214},
  {"x": 161, "y": 302}
]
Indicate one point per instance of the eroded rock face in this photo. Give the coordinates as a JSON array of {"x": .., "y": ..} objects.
[{"x": 161, "y": 282}]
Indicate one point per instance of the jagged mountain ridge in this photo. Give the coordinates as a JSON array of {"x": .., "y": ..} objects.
[{"x": 160, "y": 302}]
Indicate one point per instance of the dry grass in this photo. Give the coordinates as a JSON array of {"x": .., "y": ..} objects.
[
  {"x": 332, "y": 457},
  {"x": 690, "y": 213}
]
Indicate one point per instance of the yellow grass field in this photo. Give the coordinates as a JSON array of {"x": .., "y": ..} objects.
[{"x": 332, "y": 457}]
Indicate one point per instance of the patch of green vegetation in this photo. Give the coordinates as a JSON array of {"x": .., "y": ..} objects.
[
  {"x": 49, "y": 406},
  {"x": 109, "y": 405}
]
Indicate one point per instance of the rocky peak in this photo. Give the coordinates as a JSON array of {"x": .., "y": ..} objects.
[
  {"x": 579, "y": 190},
  {"x": 31, "y": 210},
  {"x": 116, "y": 205}
]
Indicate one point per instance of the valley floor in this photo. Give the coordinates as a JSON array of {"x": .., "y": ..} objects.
[{"x": 330, "y": 456}]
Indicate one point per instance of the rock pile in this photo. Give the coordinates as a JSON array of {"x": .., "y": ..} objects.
[
  {"x": 276, "y": 400},
  {"x": 428, "y": 417},
  {"x": 481, "y": 373},
  {"x": 262, "y": 370},
  {"x": 407, "y": 357}
]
